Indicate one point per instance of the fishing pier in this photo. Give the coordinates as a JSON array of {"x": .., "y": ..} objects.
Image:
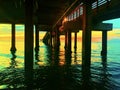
[{"x": 58, "y": 17}]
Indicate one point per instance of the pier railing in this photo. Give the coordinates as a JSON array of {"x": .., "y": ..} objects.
[
  {"x": 101, "y": 10},
  {"x": 78, "y": 11},
  {"x": 74, "y": 19}
]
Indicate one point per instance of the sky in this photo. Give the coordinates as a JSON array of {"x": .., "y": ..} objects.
[{"x": 5, "y": 29}]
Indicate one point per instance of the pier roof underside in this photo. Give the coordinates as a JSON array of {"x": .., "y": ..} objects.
[
  {"x": 49, "y": 13},
  {"x": 46, "y": 12}
]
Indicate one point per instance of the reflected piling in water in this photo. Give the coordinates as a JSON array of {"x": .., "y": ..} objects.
[{"x": 13, "y": 63}]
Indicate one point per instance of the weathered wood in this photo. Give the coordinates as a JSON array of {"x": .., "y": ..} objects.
[
  {"x": 29, "y": 43},
  {"x": 44, "y": 27},
  {"x": 76, "y": 25},
  {"x": 107, "y": 12},
  {"x": 66, "y": 41},
  {"x": 102, "y": 27},
  {"x": 13, "y": 48},
  {"x": 86, "y": 36},
  {"x": 57, "y": 36},
  {"x": 51, "y": 38},
  {"x": 36, "y": 38},
  {"x": 69, "y": 41},
  {"x": 75, "y": 41},
  {"x": 86, "y": 45},
  {"x": 104, "y": 43}
]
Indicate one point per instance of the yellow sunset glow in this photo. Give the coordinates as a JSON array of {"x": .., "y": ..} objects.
[{"x": 5, "y": 36}]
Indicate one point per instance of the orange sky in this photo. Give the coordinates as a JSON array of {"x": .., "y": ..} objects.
[{"x": 5, "y": 32}]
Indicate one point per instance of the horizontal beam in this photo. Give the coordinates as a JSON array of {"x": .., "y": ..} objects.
[
  {"x": 107, "y": 12},
  {"x": 102, "y": 27},
  {"x": 75, "y": 26},
  {"x": 44, "y": 27}
]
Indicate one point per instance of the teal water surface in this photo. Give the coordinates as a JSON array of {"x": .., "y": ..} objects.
[{"x": 53, "y": 70}]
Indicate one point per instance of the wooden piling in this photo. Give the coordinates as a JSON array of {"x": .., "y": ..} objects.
[
  {"x": 51, "y": 38},
  {"x": 104, "y": 43},
  {"x": 13, "y": 48},
  {"x": 69, "y": 40},
  {"x": 65, "y": 40},
  {"x": 29, "y": 44},
  {"x": 57, "y": 38},
  {"x": 75, "y": 41},
  {"x": 36, "y": 38},
  {"x": 86, "y": 43},
  {"x": 86, "y": 34}
]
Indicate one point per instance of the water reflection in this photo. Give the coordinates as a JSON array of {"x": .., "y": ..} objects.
[
  {"x": 13, "y": 63},
  {"x": 37, "y": 54},
  {"x": 68, "y": 58},
  {"x": 101, "y": 78},
  {"x": 104, "y": 62},
  {"x": 36, "y": 58},
  {"x": 75, "y": 57},
  {"x": 12, "y": 77},
  {"x": 105, "y": 76},
  {"x": 47, "y": 77},
  {"x": 54, "y": 76},
  {"x": 69, "y": 76},
  {"x": 86, "y": 76}
]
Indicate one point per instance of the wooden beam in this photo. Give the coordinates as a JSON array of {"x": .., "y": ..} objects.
[
  {"x": 102, "y": 27},
  {"x": 75, "y": 26}
]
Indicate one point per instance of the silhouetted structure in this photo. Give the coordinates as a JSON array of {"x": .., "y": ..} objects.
[{"x": 47, "y": 15}]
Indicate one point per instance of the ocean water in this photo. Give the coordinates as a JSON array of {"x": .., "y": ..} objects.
[{"x": 54, "y": 70}]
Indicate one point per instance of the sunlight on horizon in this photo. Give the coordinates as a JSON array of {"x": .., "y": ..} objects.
[
  {"x": 5, "y": 38},
  {"x": 5, "y": 31}
]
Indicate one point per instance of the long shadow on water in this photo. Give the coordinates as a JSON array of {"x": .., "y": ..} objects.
[{"x": 56, "y": 76}]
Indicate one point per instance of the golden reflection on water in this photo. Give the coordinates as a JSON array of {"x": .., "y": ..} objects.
[{"x": 5, "y": 45}]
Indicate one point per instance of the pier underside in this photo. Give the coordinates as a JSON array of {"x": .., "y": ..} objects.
[{"x": 57, "y": 17}]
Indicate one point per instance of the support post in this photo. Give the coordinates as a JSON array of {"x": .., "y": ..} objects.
[
  {"x": 75, "y": 40},
  {"x": 57, "y": 38},
  {"x": 69, "y": 41},
  {"x": 29, "y": 44},
  {"x": 68, "y": 47},
  {"x": 66, "y": 40},
  {"x": 86, "y": 34},
  {"x": 104, "y": 43},
  {"x": 51, "y": 38},
  {"x": 54, "y": 40},
  {"x": 13, "y": 48},
  {"x": 36, "y": 38},
  {"x": 86, "y": 43}
]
